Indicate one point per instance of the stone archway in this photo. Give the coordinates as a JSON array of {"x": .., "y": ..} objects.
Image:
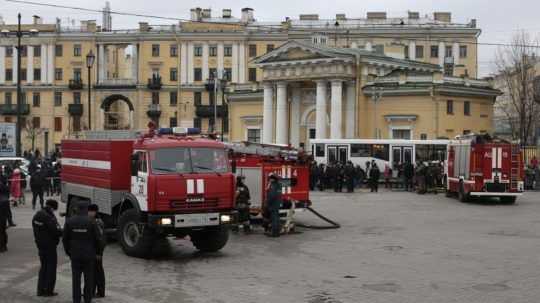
[{"x": 117, "y": 112}]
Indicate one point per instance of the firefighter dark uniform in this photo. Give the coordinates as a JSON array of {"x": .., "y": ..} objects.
[
  {"x": 242, "y": 204},
  {"x": 47, "y": 233},
  {"x": 81, "y": 241},
  {"x": 273, "y": 203},
  {"x": 4, "y": 216},
  {"x": 99, "y": 274}
]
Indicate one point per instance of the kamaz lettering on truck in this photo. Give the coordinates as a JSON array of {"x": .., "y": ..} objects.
[{"x": 153, "y": 186}]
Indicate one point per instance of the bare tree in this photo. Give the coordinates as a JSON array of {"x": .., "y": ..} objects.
[
  {"x": 517, "y": 77},
  {"x": 32, "y": 132}
]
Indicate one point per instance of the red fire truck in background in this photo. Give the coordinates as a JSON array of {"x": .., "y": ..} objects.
[
  {"x": 152, "y": 186},
  {"x": 257, "y": 161},
  {"x": 480, "y": 166}
]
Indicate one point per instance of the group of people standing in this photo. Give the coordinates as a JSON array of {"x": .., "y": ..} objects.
[
  {"x": 338, "y": 175},
  {"x": 44, "y": 177}
]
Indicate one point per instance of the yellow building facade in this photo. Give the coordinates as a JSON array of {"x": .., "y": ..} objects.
[{"x": 161, "y": 73}]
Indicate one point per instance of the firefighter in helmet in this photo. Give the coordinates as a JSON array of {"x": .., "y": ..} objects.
[{"x": 242, "y": 205}]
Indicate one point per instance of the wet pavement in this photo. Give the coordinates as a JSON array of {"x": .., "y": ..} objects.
[{"x": 392, "y": 247}]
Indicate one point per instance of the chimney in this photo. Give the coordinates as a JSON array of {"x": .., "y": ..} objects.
[
  {"x": 196, "y": 14},
  {"x": 144, "y": 27},
  {"x": 376, "y": 15},
  {"x": 442, "y": 16},
  {"x": 414, "y": 15},
  {"x": 341, "y": 17},
  {"x": 247, "y": 15},
  {"x": 227, "y": 13},
  {"x": 473, "y": 23},
  {"x": 36, "y": 20},
  {"x": 207, "y": 13},
  {"x": 310, "y": 17}
]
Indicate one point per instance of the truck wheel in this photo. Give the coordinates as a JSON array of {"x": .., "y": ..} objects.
[
  {"x": 462, "y": 196},
  {"x": 210, "y": 240},
  {"x": 508, "y": 199},
  {"x": 136, "y": 239}
]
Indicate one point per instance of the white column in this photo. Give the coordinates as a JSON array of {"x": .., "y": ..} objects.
[
  {"x": 14, "y": 64},
  {"x": 44, "y": 73},
  {"x": 234, "y": 63},
  {"x": 368, "y": 47},
  {"x": 455, "y": 53},
  {"x": 320, "y": 110},
  {"x": 282, "y": 127},
  {"x": 135, "y": 63},
  {"x": 336, "y": 111},
  {"x": 412, "y": 50},
  {"x": 2, "y": 64},
  {"x": 101, "y": 62},
  {"x": 295, "y": 117},
  {"x": 441, "y": 53},
  {"x": 350, "y": 127},
  {"x": 183, "y": 63},
  {"x": 242, "y": 63},
  {"x": 220, "y": 58},
  {"x": 190, "y": 62},
  {"x": 268, "y": 113},
  {"x": 205, "y": 72},
  {"x": 29, "y": 63},
  {"x": 50, "y": 63}
]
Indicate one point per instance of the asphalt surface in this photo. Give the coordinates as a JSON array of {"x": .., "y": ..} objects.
[{"x": 392, "y": 247}]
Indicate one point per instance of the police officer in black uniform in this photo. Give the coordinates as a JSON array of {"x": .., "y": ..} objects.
[
  {"x": 81, "y": 241},
  {"x": 47, "y": 233},
  {"x": 4, "y": 215},
  {"x": 242, "y": 204},
  {"x": 99, "y": 278}
]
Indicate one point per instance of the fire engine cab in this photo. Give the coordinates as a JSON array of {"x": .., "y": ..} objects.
[
  {"x": 151, "y": 186},
  {"x": 481, "y": 166}
]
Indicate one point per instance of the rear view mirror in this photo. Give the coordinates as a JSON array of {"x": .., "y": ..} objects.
[{"x": 134, "y": 164}]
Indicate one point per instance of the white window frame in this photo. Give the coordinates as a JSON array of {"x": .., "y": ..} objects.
[
  {"x": 253, "y": 127},
  {"x": 400, "y": 127}
]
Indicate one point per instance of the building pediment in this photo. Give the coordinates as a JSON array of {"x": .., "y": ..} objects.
[{"x": 299, "y": 51}]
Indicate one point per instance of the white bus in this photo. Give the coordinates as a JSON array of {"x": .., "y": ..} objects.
[{"x": 383, "y": 151}]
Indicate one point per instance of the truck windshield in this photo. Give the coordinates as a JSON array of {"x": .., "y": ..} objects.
[{"x": 189, "y": 160}]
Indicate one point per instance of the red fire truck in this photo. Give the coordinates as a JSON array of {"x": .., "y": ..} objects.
[
  {"x": 257, "y": 161},
  {"x": 152, "y": 186},
  {"x": 480, "y": 166}
]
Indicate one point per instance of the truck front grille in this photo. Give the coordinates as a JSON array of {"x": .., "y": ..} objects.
[{"x": 183, "y": 204}]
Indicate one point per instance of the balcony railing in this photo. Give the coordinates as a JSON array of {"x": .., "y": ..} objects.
[
  {"x": 11, "y": 109},
  {"x": 75, "y": 84},
  {"x": 116, "y": 84},
  {"x": 75, "y": 109},
  {"x": 154, "y": 83},
  {"x": 207, "y": 111},
  {"x": 154, "y": 111}
]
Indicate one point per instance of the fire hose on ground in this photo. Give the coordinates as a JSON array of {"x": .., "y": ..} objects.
[{"x": 333, "y": 224}]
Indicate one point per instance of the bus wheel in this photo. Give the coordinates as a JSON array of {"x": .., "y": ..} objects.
[
  {"x": 462, "y": 196},
  {"x": 508, "y": 200}
]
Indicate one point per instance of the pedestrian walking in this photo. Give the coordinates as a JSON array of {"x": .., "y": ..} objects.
[
  {"x": 81, "y": 239},
  {"x": 36, "y": 185},
  {"x": 4, "y": 216},
  {"x": 387, "y": 176},
  {"x": 273, "y": 204},
  {"x": 47, "y": 233},
  {"x": 408, "y": 174},
  {"x": 350, "y": 176},
  {"x": 15, "y": 187},
  {"x": 374, "y": 175},
  {"x": 99, "y": 273}
]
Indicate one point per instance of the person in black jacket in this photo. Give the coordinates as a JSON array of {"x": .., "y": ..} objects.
[
  {"x": 4, "y": 215},
  {"x": 37, "y": 181},
  {"x": 374, "y": 175},
  {"x": 99, "y": 285},
  {"x": 47, "y": 235},
  {"x": 81, "y": 241},
  {"x": 273, "y": 203}
]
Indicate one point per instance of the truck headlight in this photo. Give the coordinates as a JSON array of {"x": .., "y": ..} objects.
[
  {"x": 225, "y": 218},
  {"x": 165, "y": 221}
]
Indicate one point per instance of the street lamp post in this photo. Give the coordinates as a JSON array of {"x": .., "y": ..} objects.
[{"x": 90, "y": 57}]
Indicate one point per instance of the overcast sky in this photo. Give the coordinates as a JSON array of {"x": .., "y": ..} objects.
[{"x": 498, "y": 19}]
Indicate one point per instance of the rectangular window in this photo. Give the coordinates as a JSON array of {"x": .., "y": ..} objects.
[
  {"x": 37, "y": 50},
  {"x": 77, "y": 97},
  {"x": 197, "y": 122},
  {"x": 448, "y": 52},
  {"x": 197, "y": 98},
  {"x": 360, "y": 150},
  {"x": 269, "y": 47},
  {"x": 254, "y": 135},
  {"x": 404, "y": 134},
  {"x": 7, "y": 98},
  {"x": 57, "y": 124},
  {"x": 419, "y": 51},
  {"x": 213, "y": 51},
  {"x": 58, "y": 50},
  {"x": 77, "y": 74},
  {"x": 155, "y": 50},
  {"x": 57, "y": 98},
  {"x": 253, "y": 50},
  {"x": 450, "y": 107},
  {"x": 58, "y": 74},
  {"x": 434, "y": 51},
  {"x": 77, "y": 123},
  {"x": 23, "y": 74},
  {"x": 9, "y": 74},
  {"x": 155, "y": 97},
  {"x": 467, "y": 108},
  {"x": 212, "y": 73},
  {"x": 463, "y": 51},
  {"x": 173, "y": 74},
  {"x": 197, "y": 74},
  {"x": 37, "y": 74},
  {"x": 173, "y": 50},
  {"x": 24, "y": 51},
  {"x": 9, "y": 51},
  {"x": 173, "y": 122},
  {"x": 77, "y": 50},
  {"x": 36, "y": 122},
  {"x": 197, "y": 51},
  {"x": 466, "y": 131},
  {"x": 227, "y": 75},
  {"x": 252, "y": 74},
  {"x": 36, "y": 99},
  {"x": 423, "y": 136},
  {"x": 227, "y": 51},
  {"x": 319, "y": 150},
  {"x": 173, "y": 98},
  {"x": 406, "y": 52}
]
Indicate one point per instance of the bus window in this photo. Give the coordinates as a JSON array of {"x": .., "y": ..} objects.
[
  {"x": 427, "y": 153},
  {"x": 319, "y": 150},
  {"x": 381, "y": 152},
  {"x": 360, "y": 150}
]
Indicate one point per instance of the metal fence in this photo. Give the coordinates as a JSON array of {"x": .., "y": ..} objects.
[{"x": 530, "y": 152}]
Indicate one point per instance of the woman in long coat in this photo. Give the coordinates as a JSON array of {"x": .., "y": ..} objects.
[{"x": 15, "y": 187}]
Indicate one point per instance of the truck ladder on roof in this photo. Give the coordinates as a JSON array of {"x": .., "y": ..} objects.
[
  {"x": 514, "y": 169},
  {"x": 268, "y": 150}
]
